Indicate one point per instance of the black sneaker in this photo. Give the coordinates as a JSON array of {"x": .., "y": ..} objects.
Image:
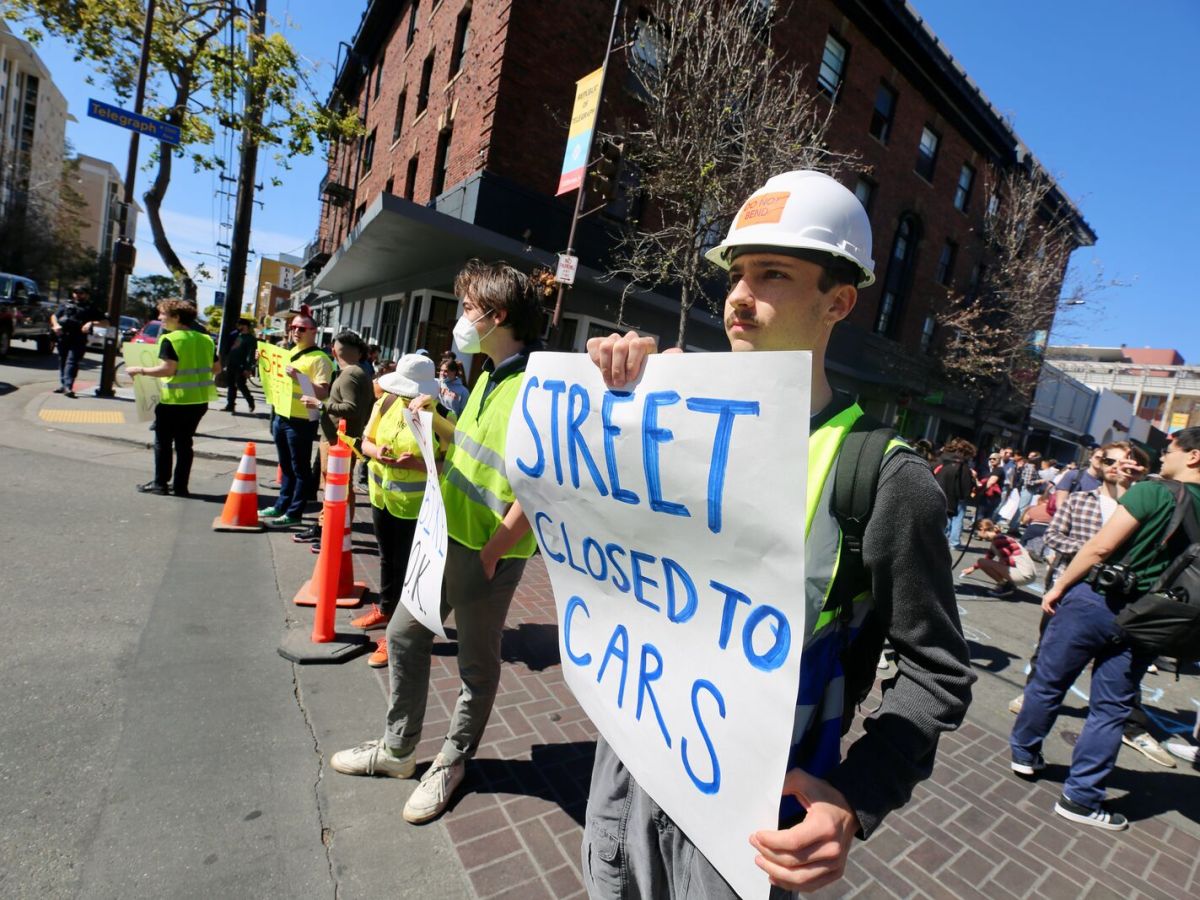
[
  {"x": 181, "y": 492},
  {"x": 1002, "y": 590},
  {"x": 312, "y": 533},
  {"x": 152, "y": 487},
  {"x": 60, "y": 390},
  {"x": 1097, "y": 818},
  {"x": 71, "y": 394}
]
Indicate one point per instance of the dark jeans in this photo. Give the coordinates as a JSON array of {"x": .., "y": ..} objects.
[
  {"x": 1081, "y": 631},
  {"x": 294, "y": 439},
  {"x": 70, "y": 352},
  {"x": 395, "y": 537},
  {"x": 174, "y": 426},
  {"x": 237, "y": 380}
]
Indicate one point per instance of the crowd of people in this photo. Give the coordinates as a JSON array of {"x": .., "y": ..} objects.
[{"x": 792, "y": 276}]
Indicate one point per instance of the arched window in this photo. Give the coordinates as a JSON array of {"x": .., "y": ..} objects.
[{"x": 899, "y": 274}]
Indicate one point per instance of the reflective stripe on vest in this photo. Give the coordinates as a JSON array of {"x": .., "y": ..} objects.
[
  {"x": 816, "y": 730},
  {"x": 475, "y": 484},
  {"x": 193, "y": 381},
  {"x": 303, "y": 363},
  {"x": 397, "y": 490}
]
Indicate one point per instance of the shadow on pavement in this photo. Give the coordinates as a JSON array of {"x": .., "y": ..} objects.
[
  {"x": 557, "y": 773},
  {"x": 988, "y": 658}
]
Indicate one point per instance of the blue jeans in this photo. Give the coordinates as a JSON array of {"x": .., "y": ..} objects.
[
  {"x": 1083, "y": 629},
  {"x": 294, "y": 439},
  {"x": 954, "y": 524},
  {"x": 70, "y": 352}
]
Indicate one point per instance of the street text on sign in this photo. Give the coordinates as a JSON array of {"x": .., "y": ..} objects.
[
  {"x": 567, "y": 267},
  {"x": 114, "y": 115}
]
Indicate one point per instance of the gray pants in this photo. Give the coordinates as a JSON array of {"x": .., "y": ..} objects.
[
  {"x": 480, "y": 608},
  {"x": 632, "y": 849}
]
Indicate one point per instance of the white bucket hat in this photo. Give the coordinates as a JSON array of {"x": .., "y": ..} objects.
[{"x": 414, "y": 375}]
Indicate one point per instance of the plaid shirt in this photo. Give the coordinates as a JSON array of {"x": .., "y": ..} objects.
[
  {"x": 1027, "y": 478},
  {"x": 1073, "y": 525}
]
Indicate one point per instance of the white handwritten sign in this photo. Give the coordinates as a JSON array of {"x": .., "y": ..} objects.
[
  {"x": 422, "y": 590},
  {"x": 146, "y": 391},
  {"x": 671, "y": 517}
]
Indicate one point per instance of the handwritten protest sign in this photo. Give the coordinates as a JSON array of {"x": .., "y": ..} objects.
[
  {"x": 671, "y": 517},
  {"x": 146, "y": 391},
  {"x": 422, "y": 590},
  {"x": 272, "y": 366}
]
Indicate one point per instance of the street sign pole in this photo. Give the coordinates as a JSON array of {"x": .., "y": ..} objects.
[
  {"x": 558, "y": 303},
  {"x": 123, "y": 254}
]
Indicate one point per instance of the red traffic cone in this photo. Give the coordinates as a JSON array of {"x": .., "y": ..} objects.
[
  {"x": 335, "y": 540},
  {"x": 241, "y": 505}
]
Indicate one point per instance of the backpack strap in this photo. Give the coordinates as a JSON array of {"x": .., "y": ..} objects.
[
  {"x": 855, "y": 482},
  {"x": 1181, "y": 516}
]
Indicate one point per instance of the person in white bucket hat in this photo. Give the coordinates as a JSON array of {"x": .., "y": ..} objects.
[
  {"x": 797, "y": 254},
  {"x": 396, "y": 478}
]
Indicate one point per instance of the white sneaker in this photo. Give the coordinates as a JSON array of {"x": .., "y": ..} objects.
[
  {"x": 372, "y": 758},
  {"x": 1145, "y": 744},
  {"x": 1015, "y": 704},
  {"x": 433, "y": 794}
]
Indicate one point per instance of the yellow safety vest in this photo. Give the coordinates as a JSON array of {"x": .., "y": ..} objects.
[
  {"x": 475, "y": 484},
  {"x": 397, "y": 490},
  {"x": 303, "y": 362},
  {"x": 193, "y": 381}
]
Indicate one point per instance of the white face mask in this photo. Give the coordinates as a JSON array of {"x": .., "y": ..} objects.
[{"x": 466, "y": 338}]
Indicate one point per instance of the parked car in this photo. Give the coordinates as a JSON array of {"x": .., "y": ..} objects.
[
  {"x": 149, "y": 333},
  {"x": 24, "y": 314},
  {"x": 128, "y": 330}
]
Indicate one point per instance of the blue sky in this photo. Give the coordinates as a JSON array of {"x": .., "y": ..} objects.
[{"x": 1104, "y": 92}]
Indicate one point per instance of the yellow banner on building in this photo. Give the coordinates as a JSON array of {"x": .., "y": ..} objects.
[
  {"x": 276, "y": 385},
  {"x": 579, "y": 136},
  {"x": 1179, "y": 421}
]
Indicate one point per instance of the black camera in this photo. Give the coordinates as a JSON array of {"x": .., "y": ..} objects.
[{"x": 1113, "y": 578}]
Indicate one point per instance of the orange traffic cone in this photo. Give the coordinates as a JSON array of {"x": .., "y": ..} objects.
[
  {"x": 241, "y": 505},
  {"x": 278, "y": 482},
  {"x": 325, "y": 645},
  {"x": 335, "y": 541}
]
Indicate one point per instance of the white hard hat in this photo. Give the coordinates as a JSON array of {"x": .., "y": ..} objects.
[
  {"x": 414, "y": 375},
  {"x": 804, "y": 210}
]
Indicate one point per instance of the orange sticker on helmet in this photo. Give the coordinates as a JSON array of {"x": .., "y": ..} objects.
[{"x": 765, "y": 209}]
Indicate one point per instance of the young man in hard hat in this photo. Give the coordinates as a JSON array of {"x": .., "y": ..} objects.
[{"x": 797, "y": 253}]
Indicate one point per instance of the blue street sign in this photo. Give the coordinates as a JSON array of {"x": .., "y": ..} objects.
[{"x": 114, "y": 115}]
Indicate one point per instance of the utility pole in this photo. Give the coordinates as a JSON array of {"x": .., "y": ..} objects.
[
  {"x": 240, "y": 242},
  {"x": 124, "y": 254},
  {"x": 558, "y": 302}
]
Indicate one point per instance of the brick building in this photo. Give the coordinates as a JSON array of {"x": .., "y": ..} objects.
[{"x": 465, "y": 105}]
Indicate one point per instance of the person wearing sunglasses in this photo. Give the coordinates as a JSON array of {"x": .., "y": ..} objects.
[{"x": 295, "y": 426}]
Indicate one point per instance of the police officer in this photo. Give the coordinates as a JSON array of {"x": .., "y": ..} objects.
[
  {"x": 797, "y": 253},
  {"x": 187, "y": 367},
  {"x": 294, "y": 430},
  {"x": 489, "y": 543},
  {"x": 72, "y": 322}
]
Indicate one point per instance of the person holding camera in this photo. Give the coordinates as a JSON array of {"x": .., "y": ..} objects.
[{"x": 1121, "y": 562}]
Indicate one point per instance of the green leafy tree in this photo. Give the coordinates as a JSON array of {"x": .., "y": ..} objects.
[
  {"x": 212, "y": 318},
  {"x": 145, "y": 291},
  {"x": 40, "y": 233},
  {"x": 198, "y": 72}
]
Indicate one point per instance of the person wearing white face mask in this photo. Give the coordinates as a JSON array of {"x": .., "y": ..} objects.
[{"x": 490, "y": 540}]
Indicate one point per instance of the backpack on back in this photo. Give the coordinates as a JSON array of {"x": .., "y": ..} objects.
[
  {"x": 855, "y": 481},
  {"x": 1166, "y": 621}
]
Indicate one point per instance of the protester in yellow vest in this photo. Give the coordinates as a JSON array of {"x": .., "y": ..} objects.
[
  {"x": 294, "y": 429},
  {"x": 396, "y": 478},
  {"x": 187, "y": 368},
  {"x": 796, "y": 255},
  {"x": 489, "y": 544}
]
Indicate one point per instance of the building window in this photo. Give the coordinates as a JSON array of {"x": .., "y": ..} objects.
[
  {"x": 647, "y": 44},
  {"x": 389, "y": 185},
  {"x": 927, "y": 330},
  {"x": 895, "y": 285},
  {"x": 410, "y": 179},
  {"x": 962, "y": 193},
  {"x": 368, "y": 153},
  {"x": 426, "y": 77},
  {"x": 378, "y": 75},
  {"x": 358, "y": 213},
  {"x": 884, "y": 112},
  {"x": 462, "y": 40},
  {"x": 412, "y": 23},
  {"x": 439, "y": 162},
  {"x": 398, "y": 126},
  {"x": 927, "y": 153},
  {"x": 993, "y": 206},
  {"x": 833, "y": 65},
  {"x": 864, "y": 190},
  {"x": 945, "y": 266}
]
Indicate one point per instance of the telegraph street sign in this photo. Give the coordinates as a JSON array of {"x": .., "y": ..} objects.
[{"x": 114, "y": 115}]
